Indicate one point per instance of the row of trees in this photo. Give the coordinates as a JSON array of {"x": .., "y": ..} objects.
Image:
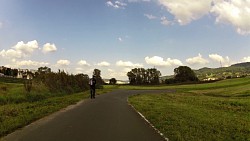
[
  {"x": 9, "y": 72},
  {"x": 139, "y": 76},
  {"x": 62, "y": 82}
]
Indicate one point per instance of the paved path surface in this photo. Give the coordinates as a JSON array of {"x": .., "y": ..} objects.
[{"x": 106, "y": 118}]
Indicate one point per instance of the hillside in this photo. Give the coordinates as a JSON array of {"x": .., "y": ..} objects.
[{"x": 234, "y": 71}]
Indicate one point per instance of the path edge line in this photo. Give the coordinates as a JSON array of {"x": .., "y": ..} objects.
[{"x": 143, "y": 117}]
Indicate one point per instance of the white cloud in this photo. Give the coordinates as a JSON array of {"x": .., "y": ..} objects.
[
  {"x": 234, "y": 12},
  {"x": 1, "y": 25},
  {"x": 149, "y": 16},
  {"x": 128, "y": 64},
  {"x": 63, "y": 62},
  {"x": 26, "y": 48},
  {"x": 246, "y": 59},
  {"x": 84, "y": 71},
  {"x": 118, "y": 74},
  {"x": 10, "y": 54},
  {"x": 103, "y": 64},
  {"x": 225, "y": 62},
  {"x": 29, "y": 63},
  {"x": 83, "y": 63},
  {"x": 159, "y": 61},
  {"x": 49, "y": 48},
  {"x": 216, "y": 57},
  {"x": 139, "y": 0},
  {"x": 197, "y": 60},
  {"x": 116, "y": 4},
  {"x": 186, "y": 11},
  {"x": 120, "y": 39},
  {"x": 165, "y": 21}
]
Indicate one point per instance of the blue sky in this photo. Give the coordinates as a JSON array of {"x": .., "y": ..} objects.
[{"x": 118, "y": 35}]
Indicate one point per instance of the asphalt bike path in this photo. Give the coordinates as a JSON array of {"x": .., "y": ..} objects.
[{"x": 106, "y": 118}]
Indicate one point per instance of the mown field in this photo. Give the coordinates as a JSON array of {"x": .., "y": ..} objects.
[
  {"x": 19, "y": 108},
  {"x": 214, "y": 111}
]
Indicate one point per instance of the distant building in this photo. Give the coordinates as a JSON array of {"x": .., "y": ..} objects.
[{"x": 26, "y": 74}]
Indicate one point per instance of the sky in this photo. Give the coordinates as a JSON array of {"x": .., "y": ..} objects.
[{"x": 115, "y": 36}]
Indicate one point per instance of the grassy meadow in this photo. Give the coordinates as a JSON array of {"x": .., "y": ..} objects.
[
  {"x": 19, "y": 108},
  {"x": 213, "y": 111}
]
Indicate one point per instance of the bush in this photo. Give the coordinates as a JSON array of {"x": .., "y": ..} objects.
[
  {"x": 170, "y": 81},
  {"x": 3, "y": 88},
  {"x": 62, "y": 82},
  {"x": 28, "y": 85}
]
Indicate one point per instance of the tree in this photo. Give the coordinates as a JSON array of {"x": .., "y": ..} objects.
[
  {"x": 44, "y": 70},
  {"x": 131, "y": 77},
  {"x": 184, "y": 74},
  {"x": 112, "y": 81},
  {"x": 141, "y": 76}
]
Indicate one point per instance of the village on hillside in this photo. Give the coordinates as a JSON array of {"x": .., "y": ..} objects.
[{"x": 17, "y": 73}]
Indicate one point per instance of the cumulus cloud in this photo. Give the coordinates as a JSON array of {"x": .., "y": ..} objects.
[
  {"x": 83, "y": 63},
  {"x": 225, "y": 62},
  {"x": 246, "y": 59},
  {"x": 29, "y": 63},
  {"x": 20, "y": 50},
  {"x": 49, "y": 48},
  {"x": 26, "y": 48},
  {"x": 116, "y": 4},
  {"x": 197, "y": 60},
  {"x": 103, "y": 64},
  {"x": 234, "y": 12},
  {"x": 188, "y": 10},
  {"x": 160, "y": 62},
  {"x": 63, "y": 62},
  {"x": 10, "y": 54},
  {"x": 118, "y": 74},
  {"x": 128, "y": 64}
]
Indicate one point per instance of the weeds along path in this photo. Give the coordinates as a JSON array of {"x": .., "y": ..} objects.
[{"x": 106, "y": 118}]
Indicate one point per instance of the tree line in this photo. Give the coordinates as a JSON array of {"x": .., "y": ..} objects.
[
  {"x": 62, "y": 82},
  {"x": 141, "y": 76},
  {"x": 9, "y": 72}
]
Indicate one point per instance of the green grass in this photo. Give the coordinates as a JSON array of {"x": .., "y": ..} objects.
[
  {"x": 19, "y": 108},
  {"x": 14, "y": 116},
  {"x": 214, "y": 111}
]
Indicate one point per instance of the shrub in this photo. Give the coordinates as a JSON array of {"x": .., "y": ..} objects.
[
  {"x": 28, "y": 85},
  {"x": 3, "y": 88},
  {"x": 62, "y": 82}
]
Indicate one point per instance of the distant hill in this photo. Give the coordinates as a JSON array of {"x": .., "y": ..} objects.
[
  {"x": 246, "y": 65},
  {"x": 234, "y": 71}
]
